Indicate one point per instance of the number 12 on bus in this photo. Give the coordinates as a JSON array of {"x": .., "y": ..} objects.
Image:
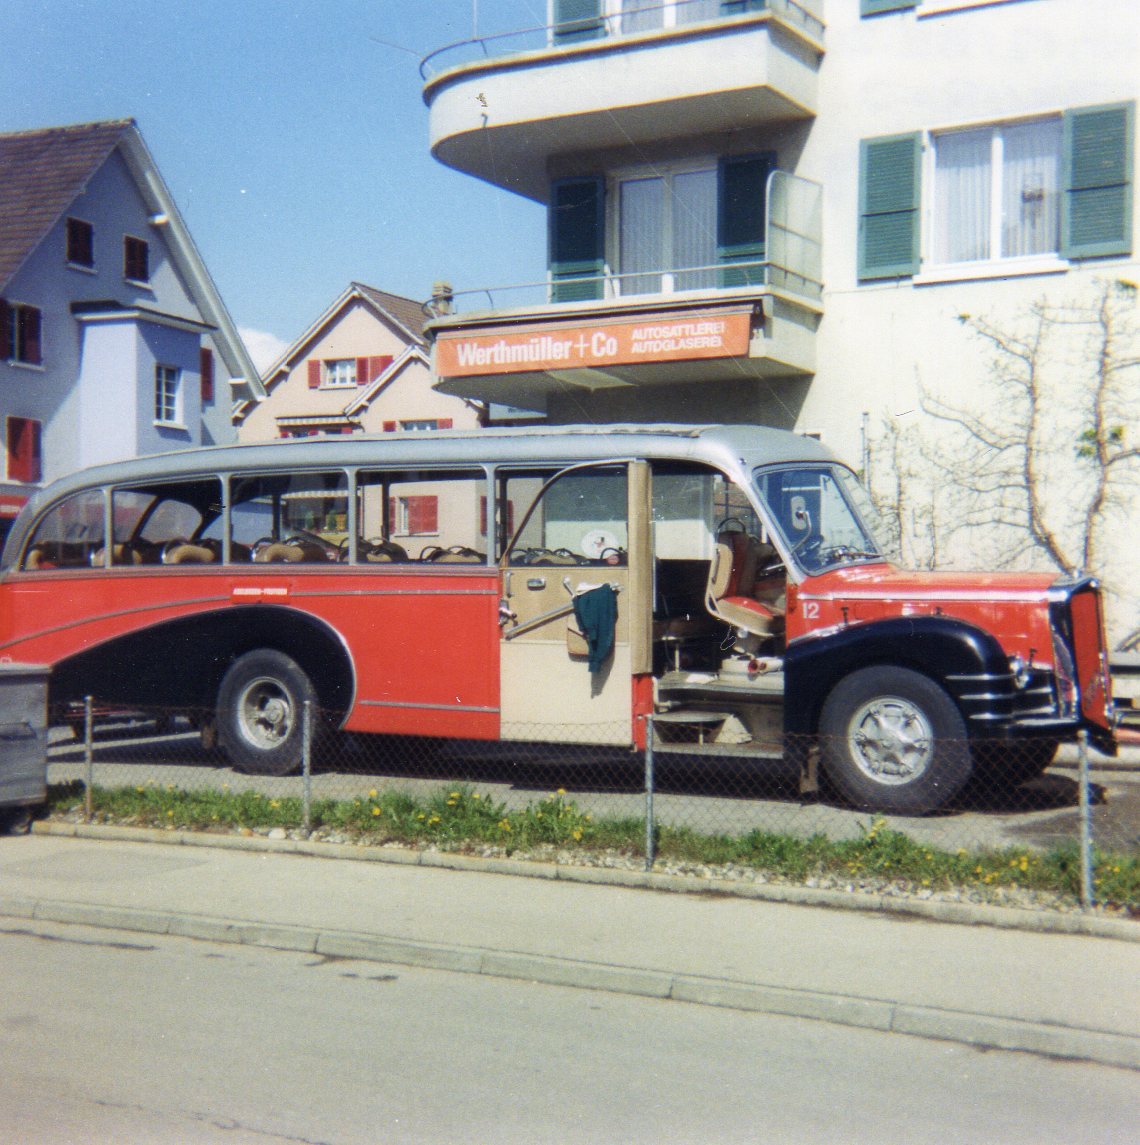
[{"x": 553, "y": 584}]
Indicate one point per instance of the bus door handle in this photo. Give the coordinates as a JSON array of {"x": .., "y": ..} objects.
[{"x": 536, "y": 583}]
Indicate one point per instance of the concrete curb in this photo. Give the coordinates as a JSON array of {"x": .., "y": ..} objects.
[
  {"x": 982, "y": 1030},
  {"x": 1093, "y": 925}
]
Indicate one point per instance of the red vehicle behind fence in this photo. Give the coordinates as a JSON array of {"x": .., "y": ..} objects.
[{"x": 557, "y": 585}]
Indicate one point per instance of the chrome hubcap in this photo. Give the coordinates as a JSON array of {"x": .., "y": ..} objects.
[
  {"x": 891, "y": 740},
  {"x": 265, "y": 713}
]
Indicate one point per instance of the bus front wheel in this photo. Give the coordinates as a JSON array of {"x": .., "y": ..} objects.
[
  {"x": 892, "y": 740},
  {"x": 261, "y": 704}
]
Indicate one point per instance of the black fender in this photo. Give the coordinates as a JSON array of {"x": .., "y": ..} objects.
[
  {"x": 965, "y": 660},
  {"x": 180, "y": 663}
]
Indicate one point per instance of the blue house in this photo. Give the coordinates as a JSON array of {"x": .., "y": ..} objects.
[{"x": 114, "y": 341}]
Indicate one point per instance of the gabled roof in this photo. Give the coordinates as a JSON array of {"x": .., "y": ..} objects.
[
  {"x": 405, "y": 315},
  {"x": 405, "y": 312},
  {"x": 41, "y": 175},
  {"x": 43, "y": 171}
]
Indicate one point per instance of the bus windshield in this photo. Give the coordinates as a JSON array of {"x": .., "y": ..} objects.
[{"x": 822, "y": 512}]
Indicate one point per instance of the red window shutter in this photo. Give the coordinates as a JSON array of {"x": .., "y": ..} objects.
[
  {"x": 393, "y": 516},
  {"x": 206, "y": 369},
  {"x": 29, "y": 319},
  {"x": 444, "y": 423},
  {"x": 389, "y": 427},
  {"x": 314, "y": 373},
  {"x": 5, "y": 330},
  {"x": 377, "y": 365},
  {"x": 423, "y": 514},
  {"x": 362, "y": 378},
  {"x": 24, "y": 456}
]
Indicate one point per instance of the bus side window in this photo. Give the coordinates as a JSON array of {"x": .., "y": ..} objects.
[
  {"x": 580, "y": 519},
  {"x": 166, "y": 523},
  {"x": 289, "y": 518},
  {"x": 69, "y": 534},
  {"x": 412, "y": 515}
]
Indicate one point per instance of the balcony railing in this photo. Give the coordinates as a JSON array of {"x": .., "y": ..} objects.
[
  {"x": 618, "y": 18},
  {"x": 791, "y": 264}
]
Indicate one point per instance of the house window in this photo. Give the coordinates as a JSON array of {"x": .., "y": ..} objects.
[
  {"x": 667, "y": 232},
  {"x": 340, "y": 372},
  {"x": 646, "y": 15},
  {"x": 136, "y": 259},
  {"x": 997, "y": 192},
  {"x": 80, "y": 243},
  {"x": 1057, "y": 186},
  {"x": 206, "y": 374},
  {"x": 167, "y": 395},
  {"x": 684, "y": 229},
  {"x": 415, "y": 515},
  {"x": 25, "y": 461},
  {"x": 425, "y": 423},
  {"x": 20, "y": 333}
]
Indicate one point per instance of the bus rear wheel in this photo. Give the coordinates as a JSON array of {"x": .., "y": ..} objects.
[
  {"x": 892, "y": 740},
  {"x": 261, "y": 704}
]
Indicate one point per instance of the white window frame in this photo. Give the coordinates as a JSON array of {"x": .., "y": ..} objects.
[
  {"x": 993, "y": 266},
  {"x": 168, "y": 396},
  {"x": 338, "y": 373},
  {"x": 419, "y": 424},
  {"x": 666, "y": 171}
]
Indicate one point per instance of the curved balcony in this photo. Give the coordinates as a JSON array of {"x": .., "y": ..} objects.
[{"x": 500, "y": 107}]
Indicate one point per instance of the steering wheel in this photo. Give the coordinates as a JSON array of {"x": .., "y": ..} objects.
[
  {"x": 723, "y": 526},
  {"x": 430, "y": 552}
]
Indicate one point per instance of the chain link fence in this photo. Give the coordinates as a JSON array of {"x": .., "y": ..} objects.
[{"x": 685, "y": 799}]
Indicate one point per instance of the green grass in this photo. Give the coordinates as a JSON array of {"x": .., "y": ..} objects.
[{"x": 457, "y": 817}]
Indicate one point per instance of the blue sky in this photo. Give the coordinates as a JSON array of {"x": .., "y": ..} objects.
[{"x": 292, "y": 134}]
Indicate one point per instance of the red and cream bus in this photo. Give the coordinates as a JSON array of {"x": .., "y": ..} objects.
[{"x": 548, "y": 584}]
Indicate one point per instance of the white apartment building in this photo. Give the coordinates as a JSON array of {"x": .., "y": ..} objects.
[{"x": 798, "y": 213}]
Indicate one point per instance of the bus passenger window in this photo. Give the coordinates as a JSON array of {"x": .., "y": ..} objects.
[
  {"x": 167, "y": 523},
  {"x": 580, "y": 519},
  {"x": 69, "y": 534},
  {"x": 289, "y": 518},
  {"x": 421, "y": 515}
]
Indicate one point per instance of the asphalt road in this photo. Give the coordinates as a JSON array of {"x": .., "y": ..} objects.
[{"x": 116, "y": 1037}]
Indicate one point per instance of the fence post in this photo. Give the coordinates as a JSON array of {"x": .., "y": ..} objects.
[
  {"x": 307, "y": 765},
  {"x": 1087, "y": 898},
  {"x": 88, "y": 755},
  {"x": 650, "y": 831}
]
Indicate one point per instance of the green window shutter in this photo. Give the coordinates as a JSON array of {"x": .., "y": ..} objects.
[
  {"x": 735, "y": 7},
  {"x": 577, "y": 20},
  {"x": 742, "y": 188},
  {"x": 577, "y": 238},
  {"x": 1098, "y": 157},
  {"x": 873, "y": 7},
  {"x": 889, "y": 195}
]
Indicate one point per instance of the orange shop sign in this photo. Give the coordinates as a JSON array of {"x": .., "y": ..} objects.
[{"x": 719, "y": 334}]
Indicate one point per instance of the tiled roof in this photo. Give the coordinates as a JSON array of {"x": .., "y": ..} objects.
[
  {"x": 41, "y": 174},
  {"x": 407, "y": 311}
]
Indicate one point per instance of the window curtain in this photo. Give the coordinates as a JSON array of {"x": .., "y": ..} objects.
[
  {"x": 1031, "y": 207},
  {"x": 642, "y": 235},
  {"x": 642, "y": 15},
  {"x": 962, "y": 196},
  {"x": 694, "y": 228}
]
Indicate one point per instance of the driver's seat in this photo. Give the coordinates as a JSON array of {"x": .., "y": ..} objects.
[{"x": 733, "y": 593}]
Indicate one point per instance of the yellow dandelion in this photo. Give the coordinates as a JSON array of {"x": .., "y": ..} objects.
[
  {"x": 375, "y": 810},
  {"x": 372, "y": 793}
]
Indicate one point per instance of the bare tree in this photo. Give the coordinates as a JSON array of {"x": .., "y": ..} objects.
[{"x": 1041, "y": 463}]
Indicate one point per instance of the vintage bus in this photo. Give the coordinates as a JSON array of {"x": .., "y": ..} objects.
[{"x": 554, "y": 584}]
